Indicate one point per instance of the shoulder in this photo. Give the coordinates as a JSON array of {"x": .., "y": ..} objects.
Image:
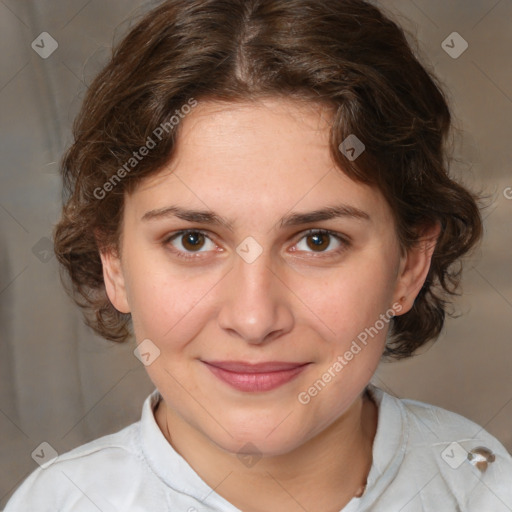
[
  {"x": 461, "y": 459},
  {"x": 432, "y": 424},
  {"x": 84, "y": 476}
]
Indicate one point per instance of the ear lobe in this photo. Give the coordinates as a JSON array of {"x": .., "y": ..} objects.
[
  {"x": 114, "y": 280},
  {"x": 414, "y": 268}
]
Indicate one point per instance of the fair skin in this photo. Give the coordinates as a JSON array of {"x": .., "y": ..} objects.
[{"x": 303, "y": 299}]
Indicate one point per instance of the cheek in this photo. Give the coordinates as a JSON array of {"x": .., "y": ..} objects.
[
  {"x": 345, "y": 300},
  {"x": 168, "y": 302},
  {"x": 352, "y": 316}
]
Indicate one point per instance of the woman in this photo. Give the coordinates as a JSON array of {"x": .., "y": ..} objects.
[{"x": 258, "y": 192}]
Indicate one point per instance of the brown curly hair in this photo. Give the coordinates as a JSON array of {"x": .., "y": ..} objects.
[{"x": 345, "y": 54}]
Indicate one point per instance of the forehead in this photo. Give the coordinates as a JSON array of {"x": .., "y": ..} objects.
[
  {"x": 271, "y": 157},
  {"x": 264, "y": 118}
]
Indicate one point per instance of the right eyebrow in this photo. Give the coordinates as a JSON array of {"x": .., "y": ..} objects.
[{"x": 199, "y": 216}]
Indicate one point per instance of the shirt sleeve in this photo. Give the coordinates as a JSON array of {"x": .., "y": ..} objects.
[{"x": 55, "y": 489}]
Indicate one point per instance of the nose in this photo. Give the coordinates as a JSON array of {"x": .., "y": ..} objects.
[{"x": 255, "y": 306}]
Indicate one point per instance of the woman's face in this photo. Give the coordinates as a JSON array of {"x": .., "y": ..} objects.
[{"x": 250, "y": 282}]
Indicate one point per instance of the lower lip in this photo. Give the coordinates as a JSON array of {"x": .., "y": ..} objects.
[{"x": 256, "y": 381}]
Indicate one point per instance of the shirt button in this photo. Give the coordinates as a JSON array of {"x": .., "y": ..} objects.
[{"x": 481, "y": 457}]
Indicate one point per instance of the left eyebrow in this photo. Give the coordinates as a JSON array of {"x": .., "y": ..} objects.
[
  {"x": 333, "y": 212},
  {"x": 293, "y": 219}
]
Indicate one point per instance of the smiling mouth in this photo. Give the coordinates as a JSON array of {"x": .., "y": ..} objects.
[{"x": 255, "y": 377}]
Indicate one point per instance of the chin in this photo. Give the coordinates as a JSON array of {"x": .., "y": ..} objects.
[
  {"x": 269, "y": 442},
  {"x": 258, "y": 447}
]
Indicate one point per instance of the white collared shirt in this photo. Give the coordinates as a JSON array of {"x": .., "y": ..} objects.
[{"x": 420, "y": 464}]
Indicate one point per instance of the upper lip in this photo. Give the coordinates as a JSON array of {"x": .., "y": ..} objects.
[{"x": 243, "y": 367}]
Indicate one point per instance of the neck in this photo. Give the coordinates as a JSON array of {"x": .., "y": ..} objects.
[{"x": 324, "y": 473}]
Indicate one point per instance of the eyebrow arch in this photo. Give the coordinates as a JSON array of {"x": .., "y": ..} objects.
[
  {"x": 330, "y": 212},
  {"x": 198, "y": 216},
  {"x": 294, "y": 219}
]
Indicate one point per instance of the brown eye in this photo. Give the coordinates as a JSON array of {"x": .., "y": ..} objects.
[
  {"x": 189, "y": 242},
  {"x": 192, "y": 241},
  {"x": 318, "y": 241},
  {"x": 321, "y": 241}
]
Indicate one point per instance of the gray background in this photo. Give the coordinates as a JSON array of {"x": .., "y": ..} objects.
[{"x": 61, "y": 384}]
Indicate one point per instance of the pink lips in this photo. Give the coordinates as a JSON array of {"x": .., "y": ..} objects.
[{"x": 255, "y": 377}]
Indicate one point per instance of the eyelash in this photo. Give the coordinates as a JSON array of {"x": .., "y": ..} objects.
[{"x": 180, "y": 254}]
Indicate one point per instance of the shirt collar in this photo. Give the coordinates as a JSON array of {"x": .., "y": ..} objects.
[
  {"x": 389, "y": 447},
  {"x": 169, "y": 465}
]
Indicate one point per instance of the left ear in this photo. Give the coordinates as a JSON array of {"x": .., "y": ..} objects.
[{"x": 414, "y": 267}]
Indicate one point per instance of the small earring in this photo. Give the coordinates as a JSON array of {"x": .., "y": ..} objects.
[{"x": 399, "y": 305}]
